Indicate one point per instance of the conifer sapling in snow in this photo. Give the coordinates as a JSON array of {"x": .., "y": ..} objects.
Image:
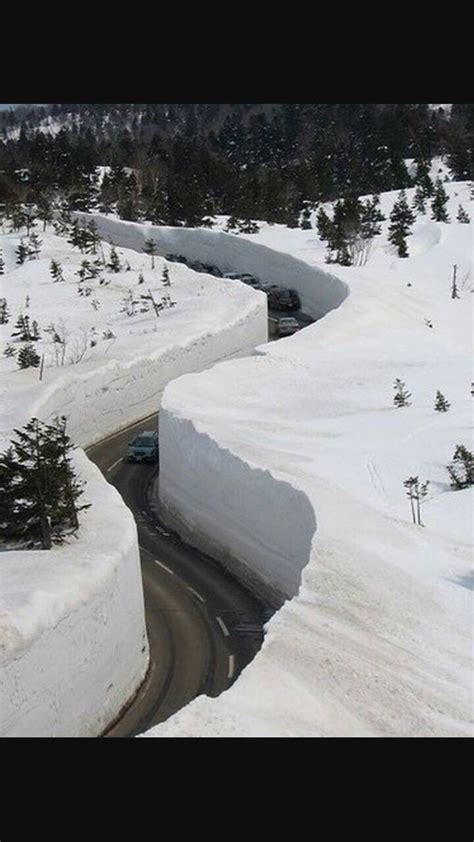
[
  {"x": 39, "y": 485},
  {"x": 141, "y": 279},
  {"x": 305, "y": 219},
  {"x": 27, "y": 357},
  {"x": 165, "y": 278},
  {"x": 232, "y": 223},
  {"x": 438, "y": 206},
  {"x": 21, "y": 252},
  {"x": 9, "y": 350},
  {"x": 416, "y": 492},
  {"x": 249, "y": 227},
  {"x": 402, "y": 395},
  {"x": 401, "y": 220},
  {"x": 150, "y": 248},
  {"x": 419, "y": 200},
  {"x": 324, "y": 225},
  {"x": 2, "y": 264},
  {"x": 463, "y": 216},
  {"x": 4, "y": 314},
  {"x": 461, "y": 469},
  {"x": 454, "y": 286},
  {"x": 34, "y": 246},
  {"x": 441, "y": 404},
  {"x": 35, "y": 334},
  {"x": 114, "y": 261},
  {"x": 22, "y": 328},
  {"x": 56, "y": 271}
]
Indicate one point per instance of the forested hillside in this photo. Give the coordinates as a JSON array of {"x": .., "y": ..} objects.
[{"x": 181, "y": 164}]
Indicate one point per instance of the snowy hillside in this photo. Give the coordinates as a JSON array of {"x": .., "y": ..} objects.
[{"x": 378, "y": 639}]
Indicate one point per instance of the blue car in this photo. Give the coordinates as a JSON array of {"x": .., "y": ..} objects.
[{"x": 143, "y": 448}]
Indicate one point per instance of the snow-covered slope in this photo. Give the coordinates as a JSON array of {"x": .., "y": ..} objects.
[
  {"x": 378, "y": 639},
  {"x": 73, "y": 645}
]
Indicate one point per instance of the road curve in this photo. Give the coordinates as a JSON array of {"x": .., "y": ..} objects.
[{"x": 203, "y": 625}]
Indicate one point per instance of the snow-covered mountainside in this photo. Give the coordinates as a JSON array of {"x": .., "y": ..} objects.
[
  {"x": 378, "y": 639},
  {"x": 73, "y": 644}
]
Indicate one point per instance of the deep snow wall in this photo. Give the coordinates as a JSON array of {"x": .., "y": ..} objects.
[
  {"x": 113, "y": 395},
  {"x": 73, "y": 646},
  {"x": 319, "y": 291},
  {"x": 72, "y": 657},
  {"x": 256, "y": 525}
]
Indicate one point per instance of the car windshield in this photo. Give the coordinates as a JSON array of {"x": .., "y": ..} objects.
[{"x": 143, "y": 442}]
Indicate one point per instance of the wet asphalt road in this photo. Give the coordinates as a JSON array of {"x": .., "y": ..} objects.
[{"x": 203, "y": 626}]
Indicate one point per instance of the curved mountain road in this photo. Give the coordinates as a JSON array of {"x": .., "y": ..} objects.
[{"x": 203, "y": 625}]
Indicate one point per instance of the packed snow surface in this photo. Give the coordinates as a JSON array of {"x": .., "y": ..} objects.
[{"x": 378, "y": 639}]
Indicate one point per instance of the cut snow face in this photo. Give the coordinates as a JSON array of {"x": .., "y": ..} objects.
[
  {"x": 378, "y": 640},
  {"x": 105, "y": 320}
]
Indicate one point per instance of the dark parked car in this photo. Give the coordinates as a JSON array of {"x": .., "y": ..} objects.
[
  {"x": 295, "y": 299},
  {"x": 284, "y": 300},
  {"x": 143, "y": 448},
  {"x": 287, "y": 326}
]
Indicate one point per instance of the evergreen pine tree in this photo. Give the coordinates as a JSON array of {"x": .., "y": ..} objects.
[
  {"x": 454, "y": 286},
  {"x": 34, "y": 246},
  {"x": 324, "y": 225},
  {"x": 27, "y": 357},
  {"x": 370, "y": 218},
  {"x": 462, "y": 216},
  {"x": 74, "y": 235},
  {"x": 4, "y": 314},
  {"x": 416, "y": 492},
  {"x": 165, "y": 278},
  {"x": 93, "y": 237},
  {"x": 232, "y": 223},
  {"x": 419, "y": 200},
  {"x": 402, "y": 395},
  {"x": 461, "y": 469},
  {"x": 114, "y": 260},
  {"x": 21, "y": 252},
  {"x": 306, "y": 218},
  {"x": 438, "y": 205},
  {"x": 40, "y": 489},
  {"x": 150, "y": 248},
  {"x": 422, "y": 178},
  {"x": 247, "y": 226},
  {"x": 22, "y": 328},
  {"x": 35, "y": 334},
  {"x": 401, "y": 220},
  {"x": 56, "y": 271},
  {"x": 2, "y": 264},
  {"x": 441, "y": 404}
]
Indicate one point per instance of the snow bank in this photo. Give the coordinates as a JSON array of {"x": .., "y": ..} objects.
[
  {"x": 319, "y": 290},
  {"x": 72, "y": 630},
  {"x": 209, "y": 495},
  {"x": 378, "y": 639}
]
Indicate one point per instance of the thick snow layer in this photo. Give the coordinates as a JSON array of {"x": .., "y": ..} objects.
[
  {"x": 118, "y": 380},
  {"x": 378, "y": 639},
  {"x": 73, "y": 645},
  {"x": 72, "y": 630},
  {"x": 320, "y": 291}
]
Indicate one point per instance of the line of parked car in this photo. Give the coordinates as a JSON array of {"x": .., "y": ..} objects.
[{"x": 279, "y": 298}]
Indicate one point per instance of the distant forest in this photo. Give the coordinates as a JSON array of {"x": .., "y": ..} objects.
[{"x": 181, "y": 164}]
